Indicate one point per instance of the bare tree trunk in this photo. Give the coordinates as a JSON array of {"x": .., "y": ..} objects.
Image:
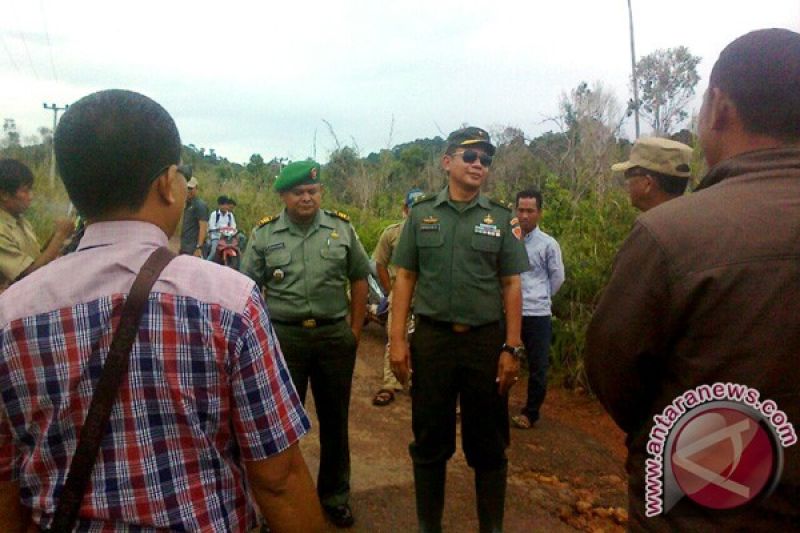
[{"x": 633, "y": 73}]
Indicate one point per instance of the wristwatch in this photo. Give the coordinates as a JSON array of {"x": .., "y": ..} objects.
[{"x": 517, "y": 352}]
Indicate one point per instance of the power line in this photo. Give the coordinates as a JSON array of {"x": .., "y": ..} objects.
[
  {"x": 47, "y": 37},
  {"x": 24, "y": 42},
  {"x": 8, "y": 52}
]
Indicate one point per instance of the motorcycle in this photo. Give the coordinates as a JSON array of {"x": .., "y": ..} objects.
[
  {"x": 229, "y": 247},
  {"x": 377, "y": 302}
]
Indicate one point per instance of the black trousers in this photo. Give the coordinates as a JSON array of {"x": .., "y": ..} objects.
[
  {"x": 448, "y": 366},
  {"x": 536, "y": 334},
  {"x": 325, "y": 357}
]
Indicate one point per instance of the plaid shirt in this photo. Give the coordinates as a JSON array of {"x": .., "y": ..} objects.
[{"x": 207, "y": 387}]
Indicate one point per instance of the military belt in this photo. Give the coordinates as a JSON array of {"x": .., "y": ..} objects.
[
  {"x": 453, "y": 326},
  {"x": 309, "y": 323}
]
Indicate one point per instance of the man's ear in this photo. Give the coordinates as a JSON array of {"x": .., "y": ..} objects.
[
  {"x": 722, "y": 110},
  {"x": 650, "y": 183},
  {"x": 446, "y": 160},
  {"x": 166, "y": 185}
]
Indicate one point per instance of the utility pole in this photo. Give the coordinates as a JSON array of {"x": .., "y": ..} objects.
[
  {"x": 55, "y": 109},
  {"x": 633, "y": 73}
]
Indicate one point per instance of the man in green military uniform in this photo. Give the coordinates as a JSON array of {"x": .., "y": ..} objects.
[
  {"x": 461, "y": 251},
  {"x": 20, "y": 253},
  {"x": 304, "y": 258}
]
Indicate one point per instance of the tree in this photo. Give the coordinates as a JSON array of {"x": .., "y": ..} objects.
[
  {"x": 590, "y": 119},
  {"x": 12, "y": 136},
  {"x": 666, "y": 81},
  {"x": 256, "y": 166}
]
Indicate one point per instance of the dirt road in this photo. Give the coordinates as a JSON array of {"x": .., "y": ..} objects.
[{"x": 566, "y": 474}]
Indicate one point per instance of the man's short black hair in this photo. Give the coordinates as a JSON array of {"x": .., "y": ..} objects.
[
  {"x": 14, "y": 175},
  {"x": 222, "y": 200},
  {"x": 530, "y": 193},
  {"x": 671, "y": 185},
  {"x": 110, "y": 146},
  {"x": 760, "y": 72}
]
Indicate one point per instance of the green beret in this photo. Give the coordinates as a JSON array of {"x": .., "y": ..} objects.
[{"x": 297, "y": 173}]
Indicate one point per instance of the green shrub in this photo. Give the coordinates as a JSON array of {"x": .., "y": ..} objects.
[{"x": 589, "y": 231}]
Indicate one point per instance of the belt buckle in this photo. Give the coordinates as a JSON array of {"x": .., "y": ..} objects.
[
  {"x": 309, "y": 323},
  {"x": 461, "y": 328}
]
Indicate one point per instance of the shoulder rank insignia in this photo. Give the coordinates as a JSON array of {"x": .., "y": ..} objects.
[
  {"x": 267, "y": 219},
  {"x": 504, "y": 205},
  {"x": 516, "y": 230},
  {"x": 339, "y": 214}
]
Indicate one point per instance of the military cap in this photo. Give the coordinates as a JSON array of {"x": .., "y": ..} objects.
[
  {"x": 470, "y": 136},
  {"x": 297, "y": 173},
  {"x": 664, "y": 156},
  {"x": 413, "y": 195},
  {"x": 192, "y": 183}
]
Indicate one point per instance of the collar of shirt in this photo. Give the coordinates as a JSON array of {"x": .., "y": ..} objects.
[
  {"x": 122, "y": 231},
  {"x": 444, "y": 196},
  {"x": 9, "y": 219},
  {"x": 533, "y": 233},
  {"x": 285, "y": 223}
]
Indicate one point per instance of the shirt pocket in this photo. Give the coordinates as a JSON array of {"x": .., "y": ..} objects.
[
  {"x": 334, "y": 252},
  {"x": 429, "y": 238},
  {"x": 278, "y": 258},
  {"x": 486, "y": 243}
]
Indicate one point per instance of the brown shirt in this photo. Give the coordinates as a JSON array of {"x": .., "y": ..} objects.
[
  {"x": 707, "y": 289},
  {"x": 18, "y": 247},
  {"x": 385, "y": 248}
]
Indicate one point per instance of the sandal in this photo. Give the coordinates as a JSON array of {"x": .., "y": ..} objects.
[
  {"x": 521, "y": 422},
  {"x": 383, "y": 397}
]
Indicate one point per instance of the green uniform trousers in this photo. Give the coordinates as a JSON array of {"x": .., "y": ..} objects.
[
  {"x": 325, "y": 356},
  {"x": 448, "y": 366}
]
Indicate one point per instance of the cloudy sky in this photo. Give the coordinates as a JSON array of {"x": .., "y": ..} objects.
[{"x": 246, "y": 77}]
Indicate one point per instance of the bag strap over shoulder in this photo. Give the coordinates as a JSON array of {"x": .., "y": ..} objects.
[{"x": 114, "y": 371}]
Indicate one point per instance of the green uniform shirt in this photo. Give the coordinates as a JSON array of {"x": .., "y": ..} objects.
[
  {"x": 18, "y": 247},
  {"x": 459, "y": 254},
  {"x": 306, "y": 273}
]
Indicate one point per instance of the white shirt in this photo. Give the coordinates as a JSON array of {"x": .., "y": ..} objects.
[
  {"x": 218, "y": 220},
  {"x": 545, "y": 275}
]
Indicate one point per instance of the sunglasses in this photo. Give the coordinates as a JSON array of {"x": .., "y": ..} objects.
[
  {"x": 469, "y": 157},
  {"x": 186, "y": 170}
]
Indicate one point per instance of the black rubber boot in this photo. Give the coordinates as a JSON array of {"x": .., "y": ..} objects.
[
  {"x": 429, "y": 487},
  {"x": 490, "y": 493}
]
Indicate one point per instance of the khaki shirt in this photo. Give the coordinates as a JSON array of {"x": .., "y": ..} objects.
[
  {"x": 19, "y": 247},
  {"x": 385, "y": 248},
  {"x": 460, "y": 255},
  {"x": 306, "y": 274}
]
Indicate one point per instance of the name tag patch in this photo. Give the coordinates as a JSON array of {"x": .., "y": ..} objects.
[
  {"x": 276, "y": 246},
  {"x": 429, "y": 227},
  {"x": 487, "y": 229}
]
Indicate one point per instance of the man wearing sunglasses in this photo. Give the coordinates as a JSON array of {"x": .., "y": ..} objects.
[
  {"x": 461, "y": 253},
  {"x": 656, "y": 172}
]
